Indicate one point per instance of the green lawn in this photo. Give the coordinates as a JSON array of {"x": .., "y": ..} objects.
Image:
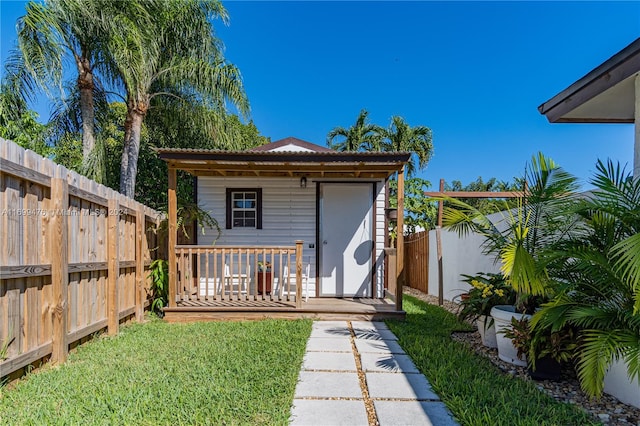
[
  {"x": 476, "y": 391},
  {"x": 159, "y": 373}
]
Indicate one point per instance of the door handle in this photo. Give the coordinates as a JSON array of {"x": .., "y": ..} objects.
[{"x": 324, "y": 242}]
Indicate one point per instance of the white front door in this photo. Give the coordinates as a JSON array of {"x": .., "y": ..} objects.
[{"x": 346, "y": 239}]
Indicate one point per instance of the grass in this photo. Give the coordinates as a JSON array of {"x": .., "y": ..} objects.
[
  {"x": 234, "y": 373},
  {"x": 476, "y": 392}
]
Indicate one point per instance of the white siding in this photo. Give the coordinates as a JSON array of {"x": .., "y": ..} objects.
[
  {"x": 288, "y": 214},
  {"x": 293, "y": 148},
  {"x": 380, "y": 242}
]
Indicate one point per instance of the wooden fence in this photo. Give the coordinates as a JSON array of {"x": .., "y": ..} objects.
[
  {"x": 73, "y": 261},
  {"x": 416, "y": 261}
]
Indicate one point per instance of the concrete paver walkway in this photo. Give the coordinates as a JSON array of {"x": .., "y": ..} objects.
[{"x": 351, "y": 374}]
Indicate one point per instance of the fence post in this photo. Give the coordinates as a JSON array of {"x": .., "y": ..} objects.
[
  {"x": 113, "y": 260},
  {"x": 58, "y": 228},
  {"x": 299, "y": 273},
  {"x": 140, "y": 235}
]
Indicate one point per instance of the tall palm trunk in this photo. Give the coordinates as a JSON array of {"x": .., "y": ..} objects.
[
  {"x": 136, "y": 111},
  {"x": 86, "y": 86}
]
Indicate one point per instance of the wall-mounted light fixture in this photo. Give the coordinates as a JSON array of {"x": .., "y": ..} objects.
[{"x": 303, "y": 182}]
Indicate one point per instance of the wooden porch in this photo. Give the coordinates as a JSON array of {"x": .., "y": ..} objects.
[
  {"x": 234, "y": 283},
  {"x": 315, "y": 308},
  {"x": 215, "y": 282}
]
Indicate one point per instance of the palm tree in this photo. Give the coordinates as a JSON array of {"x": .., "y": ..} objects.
[
  {"x": 178, "y": 57},
  {"x": 521, "y": 242},
  {"x": 361, "y": 136},
  {"x": 402, "y": 137},
  {"x": 84, "y": 32},
  {"x": 51, "y": 33},
  {"x": 598, "y": 279}
]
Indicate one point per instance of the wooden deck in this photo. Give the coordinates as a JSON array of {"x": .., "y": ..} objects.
[{"x": 315, "y": 308}]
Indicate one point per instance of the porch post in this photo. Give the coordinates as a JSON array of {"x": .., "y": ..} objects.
[
  {"x": 299, "y": 273},
  {"x": 172, "y": 221},
  {"x": 400, "y": 241}
]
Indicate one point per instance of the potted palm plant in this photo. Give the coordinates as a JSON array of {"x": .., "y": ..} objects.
[
  {"x": 521, "y": 241},
  {"x": 598, "y": 272}
]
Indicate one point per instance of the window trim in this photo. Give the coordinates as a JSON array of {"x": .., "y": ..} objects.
[{"x": 229, "y": 211}]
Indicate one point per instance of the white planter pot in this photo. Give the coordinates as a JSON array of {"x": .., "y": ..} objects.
[
  {"x": 487, "y": 333},
  {"x": 618, "y": 384},
  {"x": 502, "y": 315}
]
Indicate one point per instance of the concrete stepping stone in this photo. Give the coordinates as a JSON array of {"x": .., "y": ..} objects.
[
  {"x": 394, "y": 363},
  {"x": 330, "y": 329},
  {"x": 374, "y": 334},
  {"x": 323, "y": 384},
  {"x": 375, "y": 325},
  {"x": 399, "y": 386},
  {"x": 329, "y": 344},
  {"x": 412, "y": 413},
  {"x": 378, "y": 346},
  {"x": 328, "y": 413},
  {"x": 329, "y": 361}
]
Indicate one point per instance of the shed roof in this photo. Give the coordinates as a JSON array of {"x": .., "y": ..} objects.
[
  {"x": 200, "y": 162},
  {"x": 605, "y": 95}
]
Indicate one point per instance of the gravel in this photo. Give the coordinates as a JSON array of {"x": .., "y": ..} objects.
[{"x": 607, "y": 409}]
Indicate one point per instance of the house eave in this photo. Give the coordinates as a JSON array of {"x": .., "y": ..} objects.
[{"x": 580, "y": 103}]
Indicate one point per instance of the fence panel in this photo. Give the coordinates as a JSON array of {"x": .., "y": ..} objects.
[
  {"x": 416, "y": 258},
  {"x": 32, "y": 308}
]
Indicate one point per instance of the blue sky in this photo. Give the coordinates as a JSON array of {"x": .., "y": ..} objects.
[{"x": 474, "y": 72}]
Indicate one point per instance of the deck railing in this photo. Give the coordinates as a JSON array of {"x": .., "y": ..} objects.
[{"x": 238, "y": 273}]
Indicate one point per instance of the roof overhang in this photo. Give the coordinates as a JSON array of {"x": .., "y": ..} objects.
[
  {"x": 604, "y": 95},
  {"x": 285, "y": 164}
]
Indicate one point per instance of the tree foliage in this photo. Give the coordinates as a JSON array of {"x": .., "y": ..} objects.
[
  {"x": 420, "y": 212},
  {"x": 161, "y": 57},
  {"x": 398, "y": 136}
]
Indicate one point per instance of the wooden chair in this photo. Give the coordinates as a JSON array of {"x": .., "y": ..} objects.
[
  {"x": 306, "y": 271},
  {"x": 242, "y": 277}
]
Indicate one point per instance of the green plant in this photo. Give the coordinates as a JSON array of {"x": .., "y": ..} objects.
[
  {"x": 598, "y": 279},
  {"x": 188, "y": 212},
  {"x": 522, "y": 239},
  {"x": 264, "y": 266},
  {"x": 159, "y": 274},
  {"x": 4, "y": 347},
  {"x": 487, "y": 290},
  {"x": 539, "y": 342}
]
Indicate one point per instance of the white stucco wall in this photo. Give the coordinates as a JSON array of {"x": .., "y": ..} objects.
[{"x": 459, "y": 256}]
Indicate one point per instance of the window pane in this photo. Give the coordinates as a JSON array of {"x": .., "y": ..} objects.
[
  {"x": 249, "y": 204},
  {"x": 238, "y": 195},
  {"x": 250, "y": 195},
  {"x": 238, "y": 204},
  {"x": 250, "y": 223}
]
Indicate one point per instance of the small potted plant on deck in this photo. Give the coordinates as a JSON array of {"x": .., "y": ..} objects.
[{"x": 265, "y": 277}]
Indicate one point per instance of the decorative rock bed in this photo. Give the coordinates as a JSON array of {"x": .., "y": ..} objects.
[{"x": 607, "y": 409}]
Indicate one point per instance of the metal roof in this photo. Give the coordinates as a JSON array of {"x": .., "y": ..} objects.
[{"x": 204, "y": 162}]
